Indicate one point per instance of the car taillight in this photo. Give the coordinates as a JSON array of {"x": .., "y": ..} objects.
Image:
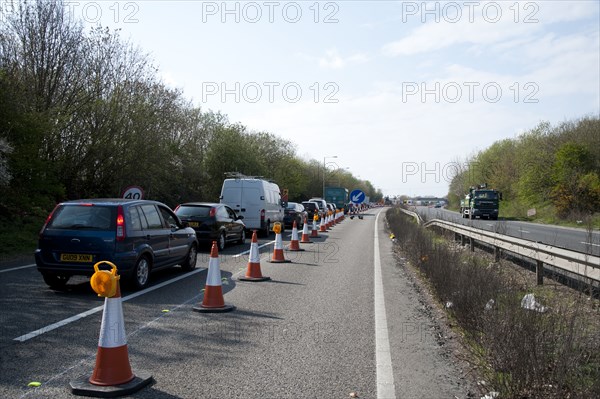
[
  {"x": 177, "y": 207},
  {"x": 48, "y": 220},
  {"x": 120, "y": 224},
  {"x": 262, "y": 215},
  {"x": 213, "y": 212}
]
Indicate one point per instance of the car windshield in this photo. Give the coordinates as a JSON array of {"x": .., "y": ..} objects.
[
  {"x": 291, "y": 205},
  {"x": 186, "y": 211},
  {"x": 84, "y": 217}
]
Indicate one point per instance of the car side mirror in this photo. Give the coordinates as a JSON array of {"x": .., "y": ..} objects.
[{"x": 240, "y": 217}]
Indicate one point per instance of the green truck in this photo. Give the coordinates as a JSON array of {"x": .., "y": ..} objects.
[
  {"x": 337, "y": 196},
  {"x": 481, "y": 202}
]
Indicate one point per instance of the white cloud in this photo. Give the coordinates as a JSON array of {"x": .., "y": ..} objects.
[
  {"x": 333, "y": 60},
  {"x": 509, "y": 28}
]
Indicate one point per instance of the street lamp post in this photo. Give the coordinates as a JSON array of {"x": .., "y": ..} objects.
[{"x": 325, "y": 158}]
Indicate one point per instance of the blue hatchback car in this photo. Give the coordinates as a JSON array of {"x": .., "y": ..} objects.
[{"x": 138, "y": 236}]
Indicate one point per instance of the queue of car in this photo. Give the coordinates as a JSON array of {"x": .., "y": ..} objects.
[{"x": 143, "y": 236}]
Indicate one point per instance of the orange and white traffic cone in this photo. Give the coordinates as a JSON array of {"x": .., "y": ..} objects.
[
  {"x": 315, "y": 233},
  {"x": 305, "y": 239},
  {"x": 278, "y": 248},
  {"x": 253, "y": 272},
  {"x": 323, "y": 226},
  {"x": 294, "y": 244},
  {"x": 213, "y": 300},
  {"x": 112, "y": 374}
]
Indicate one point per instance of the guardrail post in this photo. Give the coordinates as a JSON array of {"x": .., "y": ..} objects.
[
  {"x": 462, "y": 240},
  {"x": 496, "y": 254},
  {"x": 539, "y": 272},
  {"x": 472, "y": 244}
]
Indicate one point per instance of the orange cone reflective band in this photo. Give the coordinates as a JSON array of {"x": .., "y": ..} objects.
[
  {"x": 278, "y": 251},
  {"x": 213, "y": 291},
  {"x": 305, "y": 239},
  {"x": 294, "y": 243},
  {"x": 253, "y": 273}
]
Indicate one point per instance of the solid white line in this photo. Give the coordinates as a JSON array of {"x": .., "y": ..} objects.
[
  {"x": 383, "y": 356},
  {"x": 97, "y": 309},
  {"x": 590, "y": 243},
  {"x": 17, "y": 268},
  {"x": 248, "y": 251}
]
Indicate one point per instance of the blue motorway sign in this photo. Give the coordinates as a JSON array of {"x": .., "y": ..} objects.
[{"x": 357, "y": 196}]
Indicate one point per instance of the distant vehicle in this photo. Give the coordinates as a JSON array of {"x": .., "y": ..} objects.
[
  {"x": 311, "y": 208},
  {"x": 481, "y": 201},
  {"x": 213, "y": 222},
  {"x": 294, "y": 212},
  {"x": 321, "y": 203},
  {"x": 337, "y": 196},
  {"x": 257, "y": 200},
  {"x": 138, "y": 236}
]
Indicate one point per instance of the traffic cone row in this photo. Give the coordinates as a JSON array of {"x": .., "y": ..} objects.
[{"x": 112, "y": 375}]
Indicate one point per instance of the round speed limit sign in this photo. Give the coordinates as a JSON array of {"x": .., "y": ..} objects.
[{"x": 133, "y": 192}]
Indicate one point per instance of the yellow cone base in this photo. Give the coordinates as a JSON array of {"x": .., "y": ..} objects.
[{"x": 83, "y": 387}]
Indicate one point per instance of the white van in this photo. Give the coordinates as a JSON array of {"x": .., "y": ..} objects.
[{"x": 258, "y": 200}]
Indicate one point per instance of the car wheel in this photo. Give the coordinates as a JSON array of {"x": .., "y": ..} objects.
[
  {"x": 221, "y": 241},
  {"x": 242, "y": 237},
  {"x": 141, "y": 273},
  {"x": 190, "y": 261},
  {"x": 56, "y": 281}
]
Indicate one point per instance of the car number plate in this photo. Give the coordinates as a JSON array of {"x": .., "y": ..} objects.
[
  {"x": 194, "y": 224},
  {"x": 76, "y": 258}
]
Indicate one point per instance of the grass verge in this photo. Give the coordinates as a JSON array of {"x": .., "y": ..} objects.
[{"x": 523, "y": 353}]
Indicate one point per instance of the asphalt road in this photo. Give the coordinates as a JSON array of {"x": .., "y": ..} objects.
[
  {"x": 580, "y": 240},
  {"x": 344, "y": 317}
]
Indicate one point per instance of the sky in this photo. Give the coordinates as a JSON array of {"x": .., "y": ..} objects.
[{"x": 400, "y": 92}]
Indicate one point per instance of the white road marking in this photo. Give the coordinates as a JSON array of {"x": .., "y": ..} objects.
[
  {"x": 383, "y": 356},
  {"x": 248, "y": 250},
  {"x": 523, "y": 231},
  {"x": 97, "y": 309},
  {"x": 17, "y": 268},
  {"x": 590, "y": 243}
]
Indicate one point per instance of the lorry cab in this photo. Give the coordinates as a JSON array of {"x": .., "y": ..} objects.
[{"x": 257, "y": 200}]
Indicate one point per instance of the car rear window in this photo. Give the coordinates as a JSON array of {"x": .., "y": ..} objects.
[
  {"x": 84, "y": 217},
  {"x": 310, "y": 205},
  {"x": 193, "y": 211}
]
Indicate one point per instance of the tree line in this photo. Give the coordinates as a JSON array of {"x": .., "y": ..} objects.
[
  {"x": 553, "y": 169},
  {"x": 84, "y": 113}
]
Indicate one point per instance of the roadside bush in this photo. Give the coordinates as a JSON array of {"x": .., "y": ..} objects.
[{"x": 526, "y": 354}]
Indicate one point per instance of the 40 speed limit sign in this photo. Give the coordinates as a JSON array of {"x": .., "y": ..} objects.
[{"x": 133, "y": 192}]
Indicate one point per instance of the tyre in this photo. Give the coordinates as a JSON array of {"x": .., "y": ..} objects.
[
  {"x": 55, "y": 281},
  {"x": 221, "y": 241},
  {"x": 141, "y": 273},
  {"x": 190, "y": 260},
  {"x": 242, "y": 239}
]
